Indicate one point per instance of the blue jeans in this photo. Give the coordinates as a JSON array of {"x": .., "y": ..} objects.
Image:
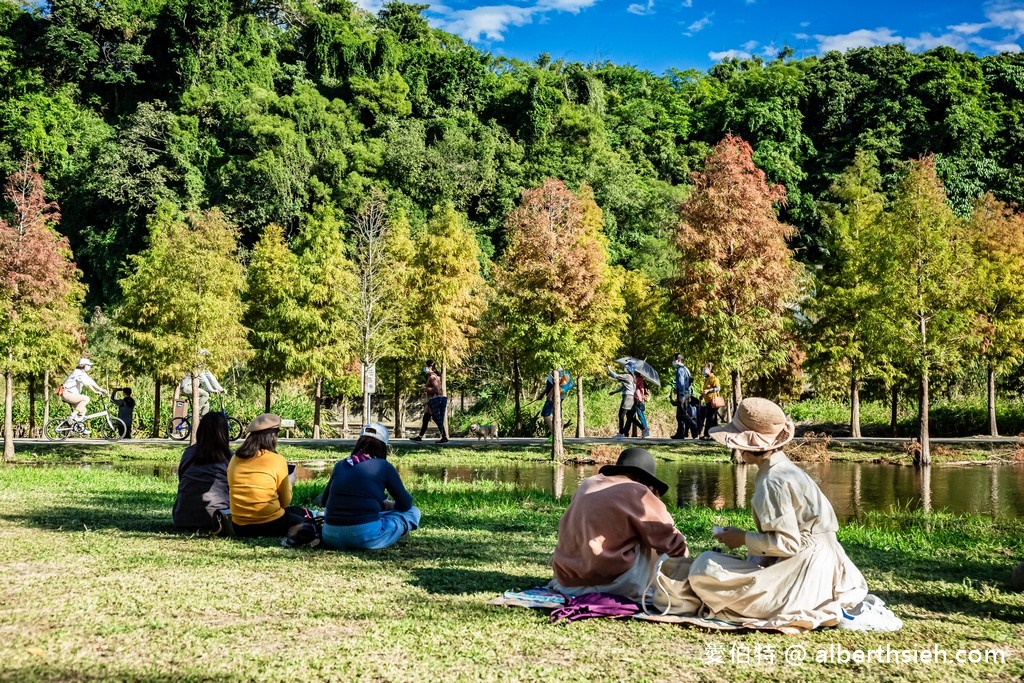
[{"x": 386, "y": 531}]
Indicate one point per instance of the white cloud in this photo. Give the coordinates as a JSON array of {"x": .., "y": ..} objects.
[
  {"x": 801, "y": 36},
  {"x": 859, "y": 38},
  {"x": 573, "y": 6},
  {"x": 1007, "y": 47},
  {"x": 967, "y": 28},
  {"x": 728, "y": 54},
  {"x": 804, "y": 24},
  {"x": 769, "y": 50},
  {"x": 698, "y": 25},
  {"x": 927, "y": 41},
  {"x": 488, "y": 22},
  {"x": 371, "y": 6},
  {"x": 641, "y": 10},
  {"x": 1008, "y": 16},
  {"x": 687, "y": 3},
  {"x": 749, "y": 45}
]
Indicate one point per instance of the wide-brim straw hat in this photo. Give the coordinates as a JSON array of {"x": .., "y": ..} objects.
[
  {"x": 758, "y": 425},
  {"x": 637, "y": 464}
]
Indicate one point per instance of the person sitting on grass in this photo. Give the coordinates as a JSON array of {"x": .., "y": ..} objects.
[
  {"x": 203, "y": 477},
  {"x": 358, "y": 513},
  {"x": 260, "y": 485},
  {"x": 614, "y": 529},
  {"x": 796, "y": 573}
]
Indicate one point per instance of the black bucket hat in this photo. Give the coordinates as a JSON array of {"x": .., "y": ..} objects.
[{"x": 637, "y": 464}]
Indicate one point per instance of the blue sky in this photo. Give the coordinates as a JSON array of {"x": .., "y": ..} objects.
[{"x": 662, "y": 34}]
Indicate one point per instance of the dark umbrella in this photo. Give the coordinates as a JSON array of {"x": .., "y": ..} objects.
[{"x": 643, "y": 367}]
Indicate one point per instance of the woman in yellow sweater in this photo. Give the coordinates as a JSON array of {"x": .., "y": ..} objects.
[{"x": 259, "y": 485}]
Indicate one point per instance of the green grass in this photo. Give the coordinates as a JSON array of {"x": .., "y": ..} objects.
[{"x": 97, "y": 587}]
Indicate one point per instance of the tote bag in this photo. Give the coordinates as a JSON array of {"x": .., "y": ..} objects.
[{"x": 670, "y": 589}]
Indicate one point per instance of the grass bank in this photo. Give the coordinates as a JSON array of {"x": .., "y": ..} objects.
[
  {"x": 97, "y": 587},
  {"x": 807, "y": 449}
]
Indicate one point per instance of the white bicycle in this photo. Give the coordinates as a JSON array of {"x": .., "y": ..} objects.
[{"x": 108, "y": 427}]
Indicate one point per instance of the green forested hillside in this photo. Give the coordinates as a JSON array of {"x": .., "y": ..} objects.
[{"x": 274, "y": 113}]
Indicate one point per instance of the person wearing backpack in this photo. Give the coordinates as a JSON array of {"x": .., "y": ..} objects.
[
  {"x": 358, "y": 514},
  {"x": 203, "y": 477},
  {"x": 71, "y": 391}
]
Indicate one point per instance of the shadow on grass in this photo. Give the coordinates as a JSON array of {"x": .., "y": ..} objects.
[
  {"x": 454, "y": 581},
  {"x": 927, "y": 572},
  {"x": 53, "y": 672}
]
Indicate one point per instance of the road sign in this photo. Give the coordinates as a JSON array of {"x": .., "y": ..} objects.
[{"x": 370, "y": 379}]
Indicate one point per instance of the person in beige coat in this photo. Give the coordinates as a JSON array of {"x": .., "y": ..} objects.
[
  {"x": 796, "y": 573},
  {"x": 614, "y": 529}
]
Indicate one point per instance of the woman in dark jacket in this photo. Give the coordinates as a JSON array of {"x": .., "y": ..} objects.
[
  {"x": 358, "y": 513},
  {"x": 203, "y": 476}
]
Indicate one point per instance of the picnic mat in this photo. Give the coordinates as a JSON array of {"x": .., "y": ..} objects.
[{"x": 544, "y": 598}]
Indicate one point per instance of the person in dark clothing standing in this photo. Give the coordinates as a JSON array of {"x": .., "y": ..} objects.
[
  {"x": 125, "y": 409},
  {"x": 203, "y": 476},
  {"x": 358, "y": 513},
  {"x": 682, "y": 391},
  {"x": 436, "y": 406}
]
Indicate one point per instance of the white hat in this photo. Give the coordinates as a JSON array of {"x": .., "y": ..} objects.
[
  {"x": 84, "y": 362},
  {"x": 758, "y": 425},
  {"x": 375, "y": 430}
]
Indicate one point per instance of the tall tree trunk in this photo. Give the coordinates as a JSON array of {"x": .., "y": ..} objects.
[
  {"x": 557, "y": 447},
  {"x": 46, "y": 398},
  {"x": 318, "y": 387},
  {"x": 581, "y": 432},
  {"x": 31, "y": 405},
  {"x": 155, "y": 433},
  {"x": 195, "y": 405},
  {"x": 366, "y": 396},
  {"x": 444, "y": 392},
  {"x": 266, "y": 395},
  {"x": 517, "y": 390},
  {"x": 924, "y": 458},
  {"x": 737, "y": 390},
  {"x": 993, "y": 429},
  {"x": 894, "y": 416},
  {"x": 399, "y": 417},
  {"x": 854, "y": 406},
  {"x": 9, "y": 409}
]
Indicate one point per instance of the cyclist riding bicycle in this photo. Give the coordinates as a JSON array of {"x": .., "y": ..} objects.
[
  {"x": 208, "y": 384},
  {"x": 72, "y": 390}
]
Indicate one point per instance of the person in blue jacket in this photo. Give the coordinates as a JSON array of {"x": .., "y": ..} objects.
[{"x": 357, "y": 511}]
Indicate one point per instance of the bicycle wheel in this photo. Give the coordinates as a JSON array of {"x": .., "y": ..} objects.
[
  {"x": 234, "y": 429},
  {"x": 58, "y": 429},
  {"x": 180, "y": 429},
  {"x": 112, "y": 429}
]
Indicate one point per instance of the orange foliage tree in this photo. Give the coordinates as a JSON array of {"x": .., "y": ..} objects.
[
  {"x": 554, "y": 287},
  {"x": 736, "y": 273},
  {"x": 40, "y": 291}
]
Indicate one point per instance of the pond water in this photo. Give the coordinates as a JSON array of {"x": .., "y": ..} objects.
[{"x": 853, "y": 488}]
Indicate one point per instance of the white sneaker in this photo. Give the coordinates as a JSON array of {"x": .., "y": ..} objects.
[{"x": 618, "y": 437}]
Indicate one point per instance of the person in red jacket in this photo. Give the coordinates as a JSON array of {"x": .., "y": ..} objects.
[{"x": 613, "y": 531}]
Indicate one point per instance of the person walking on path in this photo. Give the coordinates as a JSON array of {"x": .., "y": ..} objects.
[
  {"x": 357, "y": 511},
  {"x": 628, "y": 391},
  {"x": 436, "y": 405},
  {"x": 71, "y": 390},
  {"x": 682, "y": 401},
  {"x": 637, "y": 415},
  {"x": 711, "y": 394},
  {"x": 125, "y": 408},
  {"x": 547, "y": 411}
]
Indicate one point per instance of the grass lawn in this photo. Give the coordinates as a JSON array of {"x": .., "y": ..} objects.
[{"x": 97, "y": 587}]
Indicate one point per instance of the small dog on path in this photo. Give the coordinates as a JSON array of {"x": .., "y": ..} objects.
[{"x": 483, "y": 431}]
